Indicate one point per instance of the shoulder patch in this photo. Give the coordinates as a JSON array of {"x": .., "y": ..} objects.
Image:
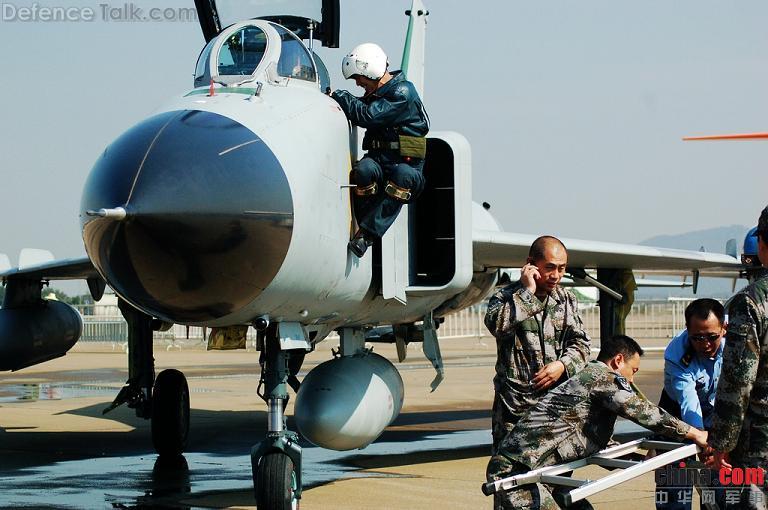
[
  {"x": 622, "y": 383},
  {"x": 686, "y": 359},
  {"x": 403, "y": 90}
]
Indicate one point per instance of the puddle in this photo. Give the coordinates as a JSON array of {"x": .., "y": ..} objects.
[
  {"x": 58, "y": 391},
  {"x": 53, "y": 391},
  {"x": 141, "y": 481}
]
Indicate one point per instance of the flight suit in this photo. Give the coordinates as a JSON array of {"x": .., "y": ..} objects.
[
  {"x": 530, "y": 334},
  {"x": 390, "y": 174},
  {"x": 573, "y": 421},
  {"x": 740, "y": 422}
]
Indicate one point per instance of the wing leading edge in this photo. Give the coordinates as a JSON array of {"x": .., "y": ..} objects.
[
  {"x": 505, "y": 249},
  {"x": 63, "y": 269}
]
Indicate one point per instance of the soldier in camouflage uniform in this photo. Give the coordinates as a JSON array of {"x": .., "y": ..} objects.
[
  {"x": 739, "y": 434},
  {"x": 576, "y": 420},
  {"x": 540, "y": 337}
]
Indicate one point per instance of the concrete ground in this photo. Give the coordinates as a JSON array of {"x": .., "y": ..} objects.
[{"x": 58, "y": 450}]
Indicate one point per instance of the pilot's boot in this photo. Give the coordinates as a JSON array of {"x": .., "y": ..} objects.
[{"x": 360, "y": 243}]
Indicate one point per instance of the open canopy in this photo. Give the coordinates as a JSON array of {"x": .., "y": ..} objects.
[{"x": 318, "y": 19}]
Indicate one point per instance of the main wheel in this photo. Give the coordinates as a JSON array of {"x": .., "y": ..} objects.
[
  {"x": 275, "y": 483},
  {"x": 170, "y": 413}
]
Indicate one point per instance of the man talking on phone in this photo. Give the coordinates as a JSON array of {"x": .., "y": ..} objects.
[{"x": 539, "y": 334}]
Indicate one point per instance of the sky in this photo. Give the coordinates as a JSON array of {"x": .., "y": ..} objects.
[{"x": 574, "y": 110}]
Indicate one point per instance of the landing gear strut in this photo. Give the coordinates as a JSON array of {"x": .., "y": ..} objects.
[
  {"x": 164, "y": 399},
  {"x": 276, "y": 461}
]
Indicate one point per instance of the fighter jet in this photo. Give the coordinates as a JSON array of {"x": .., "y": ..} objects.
[{"x": 231, "y": 208}]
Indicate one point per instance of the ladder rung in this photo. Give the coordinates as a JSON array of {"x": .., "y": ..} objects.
[
  {"x": 615, "y": 463},
  {"x": 567, "y": 481}
]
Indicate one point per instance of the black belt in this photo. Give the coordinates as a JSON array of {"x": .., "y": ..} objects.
[{"x": 380, "y": 145}]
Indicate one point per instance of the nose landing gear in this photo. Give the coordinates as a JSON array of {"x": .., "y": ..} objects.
[{"x": 276, "y": 461}]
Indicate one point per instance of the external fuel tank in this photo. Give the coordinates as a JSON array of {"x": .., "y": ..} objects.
[{"x": 346, "y": 402}]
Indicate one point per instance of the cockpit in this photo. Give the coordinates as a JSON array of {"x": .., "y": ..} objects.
[{"x": 258, "y": 50}]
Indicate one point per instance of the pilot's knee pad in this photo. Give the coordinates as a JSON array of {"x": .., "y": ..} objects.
[
  {"x": 366, "y": 171},
  {"x": 399, "y": 193},
  {"x": 405, "y": 183}
]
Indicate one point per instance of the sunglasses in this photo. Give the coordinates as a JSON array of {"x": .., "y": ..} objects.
[{"x": 711, "y": 337}]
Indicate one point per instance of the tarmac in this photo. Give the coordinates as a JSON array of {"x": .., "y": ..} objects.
[{"x": 57, "y": 450}]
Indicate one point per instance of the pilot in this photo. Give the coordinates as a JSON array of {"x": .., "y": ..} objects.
[{"x": 396, "y": 123}]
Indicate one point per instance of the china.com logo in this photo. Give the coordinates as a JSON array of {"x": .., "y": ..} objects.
[
  {"x": 741, "y": 476},
  {"x": 717, "y": 487},
  {"x": 696, "y": 473}
]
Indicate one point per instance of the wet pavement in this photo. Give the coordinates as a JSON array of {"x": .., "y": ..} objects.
[
  {"x": 58, "y": 451},
  {"x": 145, "y": 481}
]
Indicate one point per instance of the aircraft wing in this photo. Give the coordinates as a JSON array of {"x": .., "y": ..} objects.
[
  {"x": 505, "y": 249},
  {"x": 64, "y": 269}
]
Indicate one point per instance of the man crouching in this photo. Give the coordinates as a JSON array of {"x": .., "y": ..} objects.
[{"x": 576, "y": 420}]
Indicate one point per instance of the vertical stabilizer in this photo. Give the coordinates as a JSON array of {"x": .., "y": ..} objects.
[{"x": 413, "y": 52}]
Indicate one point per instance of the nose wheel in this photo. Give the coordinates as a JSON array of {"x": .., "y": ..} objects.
[
  {"x": 170, "y": 413},
  {"x": 275, "y": 482},
  {"x": 276, "y": 461}
]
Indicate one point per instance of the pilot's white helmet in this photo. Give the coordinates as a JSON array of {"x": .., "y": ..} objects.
[{"x": 367, "y": 60}]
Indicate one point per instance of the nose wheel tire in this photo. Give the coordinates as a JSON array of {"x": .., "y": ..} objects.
[
  {"x": 170, "y": 413},
  {"x": 275, "y": 483}
]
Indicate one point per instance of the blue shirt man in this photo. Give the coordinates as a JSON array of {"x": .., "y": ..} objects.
[
  {"x": 692, "y": 364},
  {"x": 690, "y": 379}
]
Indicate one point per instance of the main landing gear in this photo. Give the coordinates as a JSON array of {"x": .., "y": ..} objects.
[
  {"x": 165, "y": 399},
  {"x": 170, "y": 413},
  {"x": 276, "y": 461}
]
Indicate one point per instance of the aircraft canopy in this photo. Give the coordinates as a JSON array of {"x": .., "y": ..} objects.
[
  {"x": 240, "y": 51},
  {"x": 318, "y": 19}
]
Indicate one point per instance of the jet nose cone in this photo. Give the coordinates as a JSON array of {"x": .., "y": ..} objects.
[{"x": 210, "y": 215}]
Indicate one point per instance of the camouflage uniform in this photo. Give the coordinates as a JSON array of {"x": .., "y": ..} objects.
[
  {"x": 573, "y": 421},
  {"x": 530, "y": 334},
  {"x": 740, "y": 423}
]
